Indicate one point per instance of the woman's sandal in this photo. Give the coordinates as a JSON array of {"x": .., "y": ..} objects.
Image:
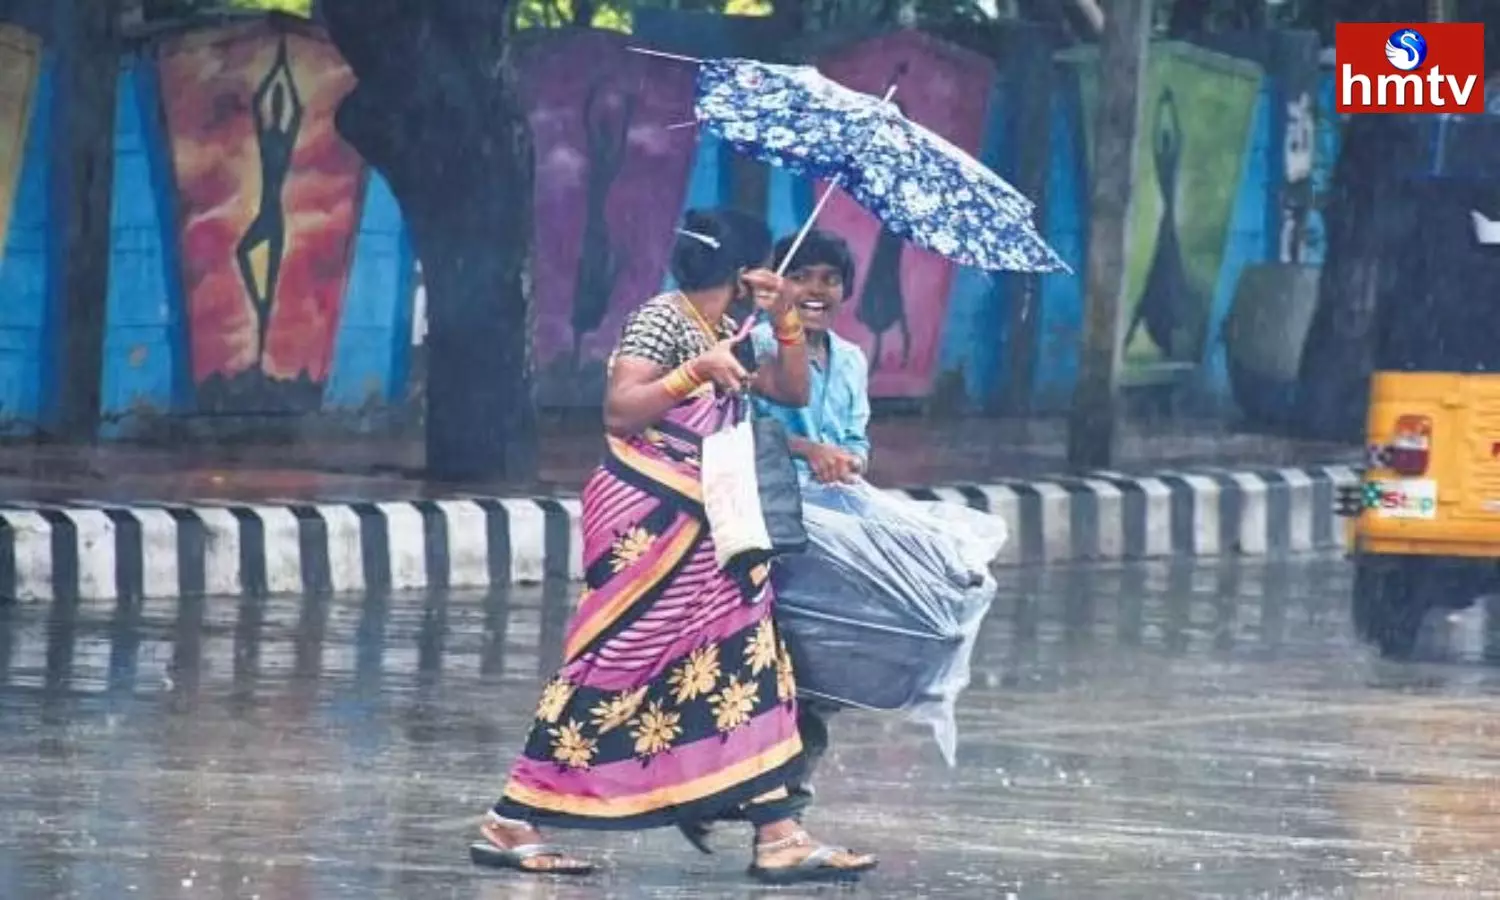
[
  {"x": 818, "y": 865},
  {"x": 490, "y": 853}
]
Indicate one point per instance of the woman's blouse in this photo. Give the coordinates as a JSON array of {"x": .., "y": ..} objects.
[{"x": 665, "y": 331}]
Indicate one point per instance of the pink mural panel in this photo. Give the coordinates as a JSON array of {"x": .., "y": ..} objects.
[
  {"x": 611, "y": 173},
  {"x": 901, "y": 295}
]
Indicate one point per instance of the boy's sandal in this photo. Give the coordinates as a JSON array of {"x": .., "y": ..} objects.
[{"x": 820, "y": 864}]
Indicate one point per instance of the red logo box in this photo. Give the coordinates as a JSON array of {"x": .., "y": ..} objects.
[{"x": 1381, "y": 68}]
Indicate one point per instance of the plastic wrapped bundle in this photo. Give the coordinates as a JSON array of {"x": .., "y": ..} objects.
[{"x": 883, "y": 610}]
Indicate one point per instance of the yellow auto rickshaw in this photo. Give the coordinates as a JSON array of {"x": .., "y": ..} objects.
[{"x": 1426, "y": 517}]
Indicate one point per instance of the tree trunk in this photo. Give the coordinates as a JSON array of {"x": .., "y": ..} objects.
[
  {"x": 89, "y": 57},
  {"x": 1122, "y": 59},
  {"x": 437, "y": 112},
  {"x": 1339, "y": 356}
]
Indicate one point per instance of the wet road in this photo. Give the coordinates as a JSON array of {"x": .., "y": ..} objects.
[{"x": 1148, "y": 730}]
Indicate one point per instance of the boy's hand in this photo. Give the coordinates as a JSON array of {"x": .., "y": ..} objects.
[{"x": 830, "y": 465}]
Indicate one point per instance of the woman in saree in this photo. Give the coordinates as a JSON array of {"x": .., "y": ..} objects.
[{"x": 676, "y": 700}]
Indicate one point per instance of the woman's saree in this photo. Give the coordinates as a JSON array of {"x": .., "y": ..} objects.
[{"x": 675, "y": 701}]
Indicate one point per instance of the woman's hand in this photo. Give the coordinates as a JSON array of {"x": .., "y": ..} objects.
[
  {"x": 719, "y": 366},
  {"x": 772, "y": 293}
]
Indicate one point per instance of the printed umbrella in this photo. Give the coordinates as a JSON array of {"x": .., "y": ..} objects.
[{"x": 921, "y": 186}]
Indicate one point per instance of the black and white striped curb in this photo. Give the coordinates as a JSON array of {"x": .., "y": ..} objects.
[
  {"x": 101, "y": 552},
  {"x": 1110, "y": 516}
]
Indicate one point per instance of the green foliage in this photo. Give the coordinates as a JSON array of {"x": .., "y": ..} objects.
[
  {"x": 616, "y": 15},
  {"x": 301, "y": 8}
]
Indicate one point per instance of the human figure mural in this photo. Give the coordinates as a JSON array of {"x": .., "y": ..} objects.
[
  {"x": 1298, "y": 146},
  {"x": 902, "y": 292},
  {"x": 882, "y": 306},
  {"x": 260, "y": 207},
  {"x": 1167, "y": 301},
  {"x": 606, "y": 127},
  {"x": 278, "y": 114},
  {"x": 268, "y": 201},
  {"x": 610, "y": 181}
]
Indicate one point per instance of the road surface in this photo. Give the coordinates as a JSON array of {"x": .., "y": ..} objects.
[{"x": 1133, "y": 731}]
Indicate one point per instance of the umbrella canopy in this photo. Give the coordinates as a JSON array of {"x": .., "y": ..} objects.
[{"x": 919, "y": 185}]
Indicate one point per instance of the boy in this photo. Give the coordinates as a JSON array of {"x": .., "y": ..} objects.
[{"x": 829, "y": 437}]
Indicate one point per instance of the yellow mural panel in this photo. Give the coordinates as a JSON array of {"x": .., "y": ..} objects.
[{"x": 20, "y": 66}]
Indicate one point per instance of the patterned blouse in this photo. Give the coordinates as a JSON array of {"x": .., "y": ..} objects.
[{"x": 662, "y": 331}]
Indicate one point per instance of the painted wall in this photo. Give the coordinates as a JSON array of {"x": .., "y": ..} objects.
[
  {"x": 1193, "y": 134},
  {"x": 610, "y": 178},
  {"x": 260, "y": 268},
  {"x": 268, "y": 200},
  {"x": 27, "y": 239},
  {"x": 901, "y": 293}
]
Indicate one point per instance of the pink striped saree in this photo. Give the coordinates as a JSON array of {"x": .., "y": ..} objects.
[{"x": 676, "y": 700}]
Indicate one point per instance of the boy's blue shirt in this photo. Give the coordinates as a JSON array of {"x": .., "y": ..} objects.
[{"x": 838, "y": 409}]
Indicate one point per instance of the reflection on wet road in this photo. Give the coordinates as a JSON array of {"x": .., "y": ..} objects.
[{"x": 1147, "y": 730}]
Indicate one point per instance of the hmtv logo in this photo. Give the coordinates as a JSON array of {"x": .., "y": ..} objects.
[{"x": 1424, "y": 67}]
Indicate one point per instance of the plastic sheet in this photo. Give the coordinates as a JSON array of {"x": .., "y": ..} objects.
[{"x": 883, "y": 610}]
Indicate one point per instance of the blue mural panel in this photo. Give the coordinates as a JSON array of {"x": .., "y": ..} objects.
[
  {"x": 708, "y": 183},
  {"x": 146, "y": 366},
  {"x": 144, "y": 346},
  {"x": 789, "y": 201},
  {"x": 26, "y": 270},
  {"x": 371, "y": 352},
  {"x": 1251, "y": 240},
  {"x": 1066, "y": 229},
  {"x": 976, "y": 333}
]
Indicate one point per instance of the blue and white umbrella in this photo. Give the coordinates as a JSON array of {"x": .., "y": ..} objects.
[{"x": 919, "y": 185}]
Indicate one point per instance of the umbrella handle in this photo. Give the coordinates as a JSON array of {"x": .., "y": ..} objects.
[
  {"x": 661, "y": 54},
  {"x": 791, "y": 252}
]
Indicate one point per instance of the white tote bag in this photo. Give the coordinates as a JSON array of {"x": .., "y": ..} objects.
[{"x": 731, "y": 492}]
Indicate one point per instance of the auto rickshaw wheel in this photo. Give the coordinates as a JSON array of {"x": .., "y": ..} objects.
[{"x": 1388, "y": 605}]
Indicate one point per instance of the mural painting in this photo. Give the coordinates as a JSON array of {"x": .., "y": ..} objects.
[
  {"x": 1194, "y": 133},
  {"x": 20, "y": 67},
  {"x": 267, "y": 204},
  {"x": 268, "y": 197},
  {"x": 611, "y": 172},
  {"x": 901, "y": 292},
  {"x": 1299, "y": 235},
  {"x": 26, "y": 224},
  {"x": 1320, "y": 176}
]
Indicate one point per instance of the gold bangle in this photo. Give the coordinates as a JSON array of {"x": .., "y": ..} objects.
[
  {"x": 789, "y": 320},
  {"x": 792, "y": 337},
  {"x": 682, "y": 381}
]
